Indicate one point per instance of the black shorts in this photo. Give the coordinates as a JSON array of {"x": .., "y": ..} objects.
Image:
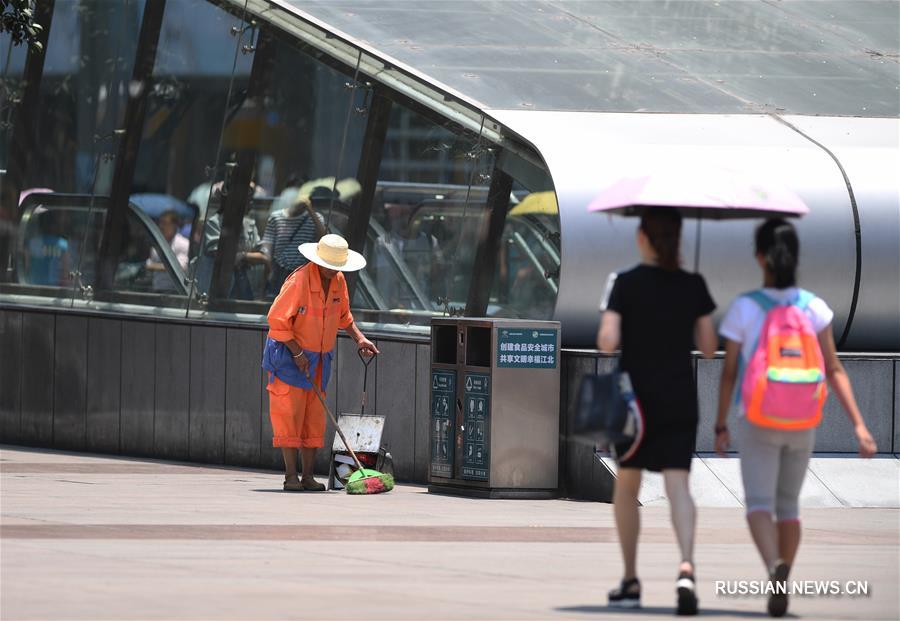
[{"x": 659, "y": 451}]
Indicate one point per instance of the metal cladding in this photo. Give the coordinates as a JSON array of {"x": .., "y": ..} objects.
[
  {"x": 867, "y": 150},
  {"x": 856, "y": 274}
]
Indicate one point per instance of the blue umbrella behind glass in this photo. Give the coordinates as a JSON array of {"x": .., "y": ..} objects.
[{"x": 154, "y": 205}]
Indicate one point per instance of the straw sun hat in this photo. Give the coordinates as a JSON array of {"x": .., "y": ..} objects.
[{"x": 332, "y": 252}]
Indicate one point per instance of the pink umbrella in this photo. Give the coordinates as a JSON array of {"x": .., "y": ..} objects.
[
  {"x": 699, "y": 192},
  {"x": 696, "y": 193}
]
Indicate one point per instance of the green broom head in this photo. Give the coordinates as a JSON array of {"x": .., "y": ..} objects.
[{"x": 367, "y": 481}]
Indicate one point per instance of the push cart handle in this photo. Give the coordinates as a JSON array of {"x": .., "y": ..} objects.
[{"x": 366, "y": 360}]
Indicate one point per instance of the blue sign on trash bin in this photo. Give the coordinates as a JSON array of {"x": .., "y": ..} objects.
[{"x": 525, "y": 348}]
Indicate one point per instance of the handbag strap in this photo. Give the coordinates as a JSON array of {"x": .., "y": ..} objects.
[
  {"x": 320, "y": 228},
  {"x": 293, "y": 237},
  {"x": 298, "y": 228}
]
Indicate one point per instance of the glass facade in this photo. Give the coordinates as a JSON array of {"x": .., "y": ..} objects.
[
  {"x": 83, "y": 94},
  {"x": 526, "y": 280},
  {"x": 181, "y": 150},
  {"x": 12, "y": 64},
  {"x": 428, "y": 207}
]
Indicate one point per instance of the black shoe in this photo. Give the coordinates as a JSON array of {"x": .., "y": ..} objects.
[
  {"x": 778, "y": 600},
  {"x": 687, "y": 597},
  {"x": 628, "y": 595}
]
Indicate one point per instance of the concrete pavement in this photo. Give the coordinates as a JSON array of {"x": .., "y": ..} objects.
[
  {"x": 832, "y": 480},
  {"x": 90, "y": 537}
]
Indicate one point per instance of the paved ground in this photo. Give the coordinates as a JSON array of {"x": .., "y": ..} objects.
[
  {"x": 832, "y": 480},
  {"x": 93, "y": 538}
]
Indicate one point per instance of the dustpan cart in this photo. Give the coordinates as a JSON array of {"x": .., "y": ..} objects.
[
  {"x": 494, "y": 423},
  {"x": 363, "y": 432}
]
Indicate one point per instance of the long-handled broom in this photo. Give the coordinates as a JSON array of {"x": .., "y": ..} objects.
[{"x": 364, "y": 480}]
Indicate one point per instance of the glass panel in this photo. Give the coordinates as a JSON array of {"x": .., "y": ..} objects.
[
  {"x": 84, "y": 90},
  {"x": 82, "y": 98},
  {"x": 192, "y": 93},
  {"x": 58, "y": 232},
  {"x": 526, "y": 280},
  {"x": 427, "y": 214},
  {"x": 12, "y": 63},
  {"x": 301, "y": 130},
  {"x": 200, "y": 79}
]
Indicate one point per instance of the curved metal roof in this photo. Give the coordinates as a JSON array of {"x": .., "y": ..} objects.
[
  {"x": 836, "y": 58},
  {"x": 851, "y": 237}
]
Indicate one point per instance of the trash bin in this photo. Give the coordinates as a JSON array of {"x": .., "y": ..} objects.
[{"x": 494, "y": 408}]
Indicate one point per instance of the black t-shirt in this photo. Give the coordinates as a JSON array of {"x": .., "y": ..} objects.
[{"x": 659, "y": 309}]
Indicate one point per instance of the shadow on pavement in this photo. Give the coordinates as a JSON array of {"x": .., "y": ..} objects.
[
  {"x": 275, "y": 490},
  {"x": 666, "y": 610}
]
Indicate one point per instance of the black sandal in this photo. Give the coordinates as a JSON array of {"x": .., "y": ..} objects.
[
  {"x": 778, "y": 599},
  {"x": 685, "y": 586},
  {"x": 292, "y": 485},
  {"x": 311, "y": 485},
  {"x": 628, "y": 595}
]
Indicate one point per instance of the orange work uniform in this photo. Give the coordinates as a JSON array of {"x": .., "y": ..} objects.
[{"x": 303, "y": 312}]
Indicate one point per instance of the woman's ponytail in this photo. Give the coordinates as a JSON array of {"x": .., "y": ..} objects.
[
  {"x": 777, "y": 242},
  {"x": 662, "y": 226}
]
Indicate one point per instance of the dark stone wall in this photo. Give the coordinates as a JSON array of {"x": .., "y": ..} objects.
[{"x": 195, "y": 392}]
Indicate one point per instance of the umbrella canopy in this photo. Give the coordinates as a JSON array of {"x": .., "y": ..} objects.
[
  {"x": 699, "y": 193},
  {"x": 199, "y": 196},
  {"x": 345, "y": 188},
  {"x": 536, "y": 203}
]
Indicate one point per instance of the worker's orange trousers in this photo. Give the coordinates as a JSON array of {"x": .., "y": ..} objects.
[{"x": 298, "y": 418}]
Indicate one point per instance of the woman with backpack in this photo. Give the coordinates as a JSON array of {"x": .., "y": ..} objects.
[
  {"x": 779, "y": 350},
  {"x": 658, "y": 313}
]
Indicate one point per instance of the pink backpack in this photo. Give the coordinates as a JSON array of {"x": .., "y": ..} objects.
[{"x": 784, "y": 383}]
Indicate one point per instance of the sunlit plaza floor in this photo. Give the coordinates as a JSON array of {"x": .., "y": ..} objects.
[{"x": 96, "y": 538}]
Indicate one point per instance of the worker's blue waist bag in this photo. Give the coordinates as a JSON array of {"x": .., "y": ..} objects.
[{"x": 279, "y": 362}]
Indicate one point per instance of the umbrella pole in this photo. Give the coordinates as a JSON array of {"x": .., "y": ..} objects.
[{"x": 697, "y": 248}]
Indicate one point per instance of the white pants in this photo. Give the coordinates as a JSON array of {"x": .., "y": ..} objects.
[{"x": 773, "y": 465}]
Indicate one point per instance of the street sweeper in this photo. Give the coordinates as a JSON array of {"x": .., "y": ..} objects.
[{"x": 303, "y": 323}]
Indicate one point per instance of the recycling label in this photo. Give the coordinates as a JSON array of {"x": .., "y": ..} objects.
[
  {"x": 443, "y": 397},
  {"x": 476, "y": 418}
]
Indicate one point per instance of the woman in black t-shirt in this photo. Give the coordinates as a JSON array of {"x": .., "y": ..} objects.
[{"x": 657, "y": 313}]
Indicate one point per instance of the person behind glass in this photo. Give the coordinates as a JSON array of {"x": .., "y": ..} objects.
[
  {"x": 303, "y": 322},
  {"x": 47, "y": 255},
  {"x": 774, "y": 461},
  {"x": 416, "y": 248},
  {"x": 168, "y": 223},
  {"x": 657, "y": 313},
  {"x": 285, "y": 230},
  {"x": 248, "y": 252}
]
